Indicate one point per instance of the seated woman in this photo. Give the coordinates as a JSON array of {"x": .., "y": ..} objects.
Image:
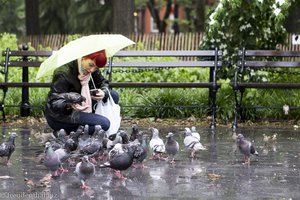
[{"x": 70, "y": 102}]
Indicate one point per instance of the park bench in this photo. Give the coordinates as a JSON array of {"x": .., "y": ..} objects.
[
  {"x": 251, "y": 62},
  {"x": 25, "y": 59}
]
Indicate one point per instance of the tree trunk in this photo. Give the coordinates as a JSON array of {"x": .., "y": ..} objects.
[
  {"x": 200, "y": 15},
  {"x": 176, "y": 25},
  {"x": 32, "y": 17},
  {"x": 122, "y": 16},
  {"x": 161, "y": 24}
]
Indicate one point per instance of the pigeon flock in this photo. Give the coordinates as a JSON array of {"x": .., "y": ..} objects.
[{"x": 117, "y": 152}]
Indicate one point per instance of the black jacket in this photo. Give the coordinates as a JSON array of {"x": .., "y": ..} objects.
[{"x": 65, "y": 89}]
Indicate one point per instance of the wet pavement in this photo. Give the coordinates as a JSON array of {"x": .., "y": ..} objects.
[{"x": 217, "y": 173}]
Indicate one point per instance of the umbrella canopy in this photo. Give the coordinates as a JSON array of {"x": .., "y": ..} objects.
[{"x": 83, "y": 46}]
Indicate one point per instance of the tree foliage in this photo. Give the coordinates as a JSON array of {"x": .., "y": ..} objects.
[
  {"x": 12, "y": 16},
  {"x": 71, "y": 17},
  {"x": 253, "y": 24}
]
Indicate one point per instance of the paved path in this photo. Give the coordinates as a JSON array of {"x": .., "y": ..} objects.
[{"x": 217, "y": 173}]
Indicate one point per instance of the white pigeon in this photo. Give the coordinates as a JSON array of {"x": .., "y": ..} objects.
[
  {"x": 195, "y": 133},
  {"x": 192, "y": 143},
  {"x": 156, "y": 144}
]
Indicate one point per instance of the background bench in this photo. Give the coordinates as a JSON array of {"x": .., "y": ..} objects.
[
  {"x": 251, "y": 61},
  {"x": 25, "y": 59},
  {"x": 192, "y": 59}
]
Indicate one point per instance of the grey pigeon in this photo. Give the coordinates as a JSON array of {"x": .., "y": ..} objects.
[
  {"x": 134, "y": 132},
  {"x": 172, "y": 146},
  {"x": 8, "y": 147},
  {"x": 121, "y": 161},
  {"x": 64, "y": 153},
  {"x": 85, "y": 139},
  {"x": 60, "y": 140},
  {"x": 74, "y": 135},
  {"x": 96, "y": 143},
  {"x": 192, "y": 143},
  {"x": 142, "y": 149},
  {"x": 110, "y": 143},
  {"x": 120, "y": 135},
  {"x": 59, "y": 99},
  {"x": 51, "y": 160},
  {"x": 245, "y": 147},
  {"x": 85, "y": 170},
  {"x": 116, "y": 150},
  {"x": 156, "y": 144}
]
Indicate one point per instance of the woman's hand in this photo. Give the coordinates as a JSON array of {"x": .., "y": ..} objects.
[{"x": 99, "y": 95}]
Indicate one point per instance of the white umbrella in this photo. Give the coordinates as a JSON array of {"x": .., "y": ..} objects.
[{"x": 83, "y": 46}]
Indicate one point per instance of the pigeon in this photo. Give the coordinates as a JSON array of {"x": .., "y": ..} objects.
[
  {"x": 96, "y": 144},
  {"x": 51, "y": 160},
  {"x": 112, "y": 141},
  {"x": 274, "y": 138},
  {"x": 156, "y": 144},
  {"x": 192, "y": 143},
  {"x": 84, "y": 139},
  {"x": 74, "y": 135},
  {"x": 8, "y": 147},
  {"x": 60, "y": 140},
  {"x": 121, "y": 160},
  {"x": 266, "y": 138},
  {"x": 195, "y": 133},
  {"x": 116, "y": 150},
  {"x": 64, "y": 152},
  {"x": 85, "y": 170},
  {"x": 172, "y": 147},
  {"x": 120, "y": 135},
  {"x": 134, "y": 132},
  {"x": 246, "y": 148},
  {"x": 142, "y": 149},
  {"x": 62, "y": 99},
  {"x": 234, "y": 136}
]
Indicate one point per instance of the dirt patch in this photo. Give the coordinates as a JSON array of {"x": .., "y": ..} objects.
[{"x": 147, "y": 122}]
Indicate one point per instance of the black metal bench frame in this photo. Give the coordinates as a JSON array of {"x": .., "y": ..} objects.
[
  {"x": 259, "y": 59},
  {"x": 25, "y": 59},
  {"x": 213, "y": 61}
]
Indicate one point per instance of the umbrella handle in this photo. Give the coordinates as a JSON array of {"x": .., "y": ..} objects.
[{"x": 110, "y": 69}]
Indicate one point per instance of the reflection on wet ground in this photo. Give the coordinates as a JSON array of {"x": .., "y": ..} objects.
[{"x": 217, "y": 173}]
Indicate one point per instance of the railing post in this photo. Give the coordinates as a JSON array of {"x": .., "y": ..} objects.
[{"x": 25, "y": 106}]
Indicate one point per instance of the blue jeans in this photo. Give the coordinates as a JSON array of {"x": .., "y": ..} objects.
[{"x": 84, "y": 118}]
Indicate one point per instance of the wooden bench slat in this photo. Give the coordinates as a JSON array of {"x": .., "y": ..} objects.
[
  {"x": 272, "y": 53},
  {"x": 161, "y": 85},
  {"x": 201, "y": 53},
  {"x": 29, "y": 53},
  {"x": 284, "y": 64},
  {"x": 24, "y": 63},
  {"x": 147, "y": 64},
  {"x": 269, "y": 85}
]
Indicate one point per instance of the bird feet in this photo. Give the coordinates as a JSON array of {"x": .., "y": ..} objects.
[
  {"x": 119, "y": 175},
  {"x": 93, "y": 160},
  {"x": 141, "y": 165},
  {"x": 85, "y": 187},
  {"x": 62, "y": 170}
]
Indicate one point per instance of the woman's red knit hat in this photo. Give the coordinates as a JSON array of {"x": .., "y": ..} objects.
[{"x": 99, "y": 57}]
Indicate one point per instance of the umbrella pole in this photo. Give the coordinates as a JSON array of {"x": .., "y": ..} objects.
[{"x": 93, "y": 82}]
